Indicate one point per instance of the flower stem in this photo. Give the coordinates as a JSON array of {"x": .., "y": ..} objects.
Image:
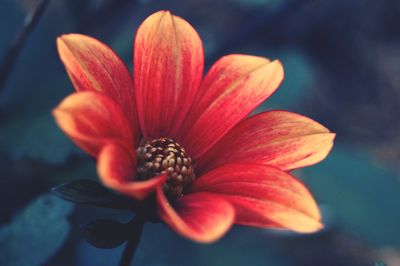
[{"x": 137, "y": 227}]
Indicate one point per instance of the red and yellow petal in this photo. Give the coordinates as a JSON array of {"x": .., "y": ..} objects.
[
  {"x": 168, "y": 67},
  {"x": 91, "y": 120},
  {"x": 93, "y": 66},
  {"x": 202, "y": 217},
  {"x": 234, "y": 86},
  {"x": 281, "y": 139},
  {"x": 263, "y": 196},
  {"x": 116, "y": 166}
]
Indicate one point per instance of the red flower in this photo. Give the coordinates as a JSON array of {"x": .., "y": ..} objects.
[{"x": 186, "y": 140}]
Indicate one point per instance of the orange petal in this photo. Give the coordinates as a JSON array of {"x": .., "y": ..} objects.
[
  {"x": 91, "y": 119},
  {"x": 93, "y": 66},
  {"x": 116, "y": 166},
  {"x": 263, "y": 196},
  {"x": 202, "y": 217},
  {"x": 278, "y": 138},
  {"x": 234, "y": 86},
  {"x": 168, "y": 66}
]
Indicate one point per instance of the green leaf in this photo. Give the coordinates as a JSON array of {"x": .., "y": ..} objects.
[
  {"x": 105, "y": 233},
  {"x": 36, "y": 233},
  {"x": 90, "y": 192}
]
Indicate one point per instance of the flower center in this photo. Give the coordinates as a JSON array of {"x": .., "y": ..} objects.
[{"x": 164, "y": 155}]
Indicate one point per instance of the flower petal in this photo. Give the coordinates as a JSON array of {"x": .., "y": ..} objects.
[
  {"x": 202, "y": 217},
  {"x": 278, "y": 138},
  {"x": 93, "y": 66},
  {"x": 116, "y": 166},
  {"x": 263, "y": 196},
  {"x": 234, "y": 86},
  {"x": 91, "y": 119},
  {"x": 168, "y": 66}
]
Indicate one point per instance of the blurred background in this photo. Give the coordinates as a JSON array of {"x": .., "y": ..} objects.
[{"x": 342, "y": 68}]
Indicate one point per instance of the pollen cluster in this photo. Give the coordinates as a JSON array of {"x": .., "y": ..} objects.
[{"x": 164, "y": 155}]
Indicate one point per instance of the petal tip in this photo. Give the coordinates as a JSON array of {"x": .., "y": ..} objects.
[
  {"x": 57, "y": 114},
  {"x": 64, "y": 38},
  {"x": 216, "y": 214},
  {"x": 318, "y": 226},
  {"x": 278, "y": 68},
  {"x": 72, "y": 39},
  {"x": 330, "y": 139},
  {"x": 60, "y": 42},
  {"x": 54, "y": 112},
  {"x": 116, "y": 169}
]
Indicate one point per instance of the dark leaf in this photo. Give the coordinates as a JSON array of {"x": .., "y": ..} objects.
[
  {"x": 89, "y": 192},
  {"x": 105, "y": 233}
]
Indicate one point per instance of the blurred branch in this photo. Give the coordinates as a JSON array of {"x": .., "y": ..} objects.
[{"x": 17, "y": 44}]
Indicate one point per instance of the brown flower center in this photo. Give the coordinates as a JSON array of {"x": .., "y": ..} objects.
[{"x": 164, "y": 155}]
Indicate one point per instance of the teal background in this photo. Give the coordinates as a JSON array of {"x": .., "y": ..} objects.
[{"x": 342, "y": 63}]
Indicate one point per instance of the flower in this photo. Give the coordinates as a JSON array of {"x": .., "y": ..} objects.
[{"x": 186, "y": 141}]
